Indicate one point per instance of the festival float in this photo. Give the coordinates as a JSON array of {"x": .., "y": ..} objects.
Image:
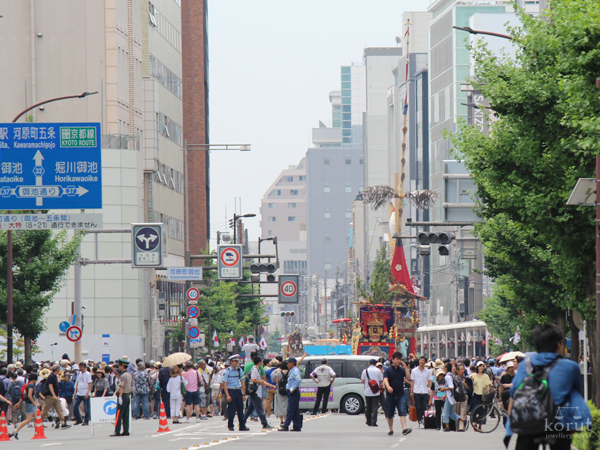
[
  {"x": 383, "y": 329},
  {"x": 387, "y": 327}
]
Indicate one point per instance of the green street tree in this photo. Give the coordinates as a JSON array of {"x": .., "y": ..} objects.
[
  {"x": 543, "y": 139},
  {"x": 41, "y": 259},
  {"x": 274, "y": 341},
  {"x": 221, "y": 309},
  {"x": 378, "y": 291}
]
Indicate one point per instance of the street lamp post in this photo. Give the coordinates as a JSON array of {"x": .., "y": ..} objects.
[
  {"x": 235, "y": 219},
  {"x": 9, "y": 244}
]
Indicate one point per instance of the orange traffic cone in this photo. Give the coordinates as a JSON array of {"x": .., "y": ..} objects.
[
  {"x": 3, "y": 428},
  {"x": 39, "y": 426},
  {"x": 163, "y": 426}
]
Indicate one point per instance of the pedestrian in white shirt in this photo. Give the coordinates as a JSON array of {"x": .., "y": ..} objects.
[
  {"x": 373, "y": 380},
  {"x": 323, "y": 376},
  {"x": 419, "y": 388},
  {"x": 174, "y": 387}
]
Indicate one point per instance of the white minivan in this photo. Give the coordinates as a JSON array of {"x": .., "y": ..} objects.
[{"x": 348, "y": 390}]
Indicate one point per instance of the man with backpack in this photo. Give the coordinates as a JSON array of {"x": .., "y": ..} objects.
[
  {"x": 547, "y": 416},
  {"x": 373, "y": 381},
  {"x": 5, "y": 401},
  {"x": 14, "y": 393}
]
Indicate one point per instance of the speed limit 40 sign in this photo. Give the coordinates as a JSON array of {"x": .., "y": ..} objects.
[{"x": 288, "y": 288}]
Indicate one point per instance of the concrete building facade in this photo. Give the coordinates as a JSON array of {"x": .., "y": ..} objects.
[
  {"x": 283, "y": 216},
  {"x": 131, "y": 52},
  {"x": 449, "y": 75}
]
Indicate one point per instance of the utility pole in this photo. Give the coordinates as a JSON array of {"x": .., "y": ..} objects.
[
  {"x": 318, "y": 304},
  {"x": 325, "y": 298},
  {"x": 334, "y": 310}
]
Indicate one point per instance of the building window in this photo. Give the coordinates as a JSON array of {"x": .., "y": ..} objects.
[
  {"x": 349, "y": 189},
  {"x": 302, "y": 178},
  {"x": 327, "y": 189},
  {"x": 272, "y": 219},
  {"x": 327, "y": 215},
  {"x": 288, "y": 179},
  {"x": 293, "y": 267},
  {"x": 361, "y": 161},
  {"x": 291, "y": 218},
  {"x": 294, "y": 191},
  {"x": 270, "y": 232},
  {"x": 326, "y": 161},
  {"x": 276, "y": 192},
  {"x": 291, "y": 205},
  {"x": 348, "y": 161},
  {"x": 272, "y": 205}
]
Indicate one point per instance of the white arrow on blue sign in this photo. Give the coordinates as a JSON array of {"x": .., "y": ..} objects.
[{"x": 50, "y": 165}]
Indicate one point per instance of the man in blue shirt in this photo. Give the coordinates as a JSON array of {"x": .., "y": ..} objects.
[
  {"x": 235, "y": 391},
  {"x": 293, "y": 394}
]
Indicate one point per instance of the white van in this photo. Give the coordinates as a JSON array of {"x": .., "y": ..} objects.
[{"x": 347, "y": 389}]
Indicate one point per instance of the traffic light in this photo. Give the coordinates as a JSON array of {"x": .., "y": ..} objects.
[
  {"x": 257, "y": 269},
  {"x": 443, "y": 238},
  {"x": 288, "y": 313}
]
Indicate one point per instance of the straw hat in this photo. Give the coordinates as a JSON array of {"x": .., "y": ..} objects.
[
  {"x": 45, "y": 373},
  {"x": 438, "y": 364},
  {"x": 439, "y": 372}
]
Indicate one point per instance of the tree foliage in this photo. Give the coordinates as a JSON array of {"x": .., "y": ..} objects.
[
  {"x": 221, "y": 309},
  {"x": 41, "y": 259},
  {"x": 539, "y": 250},
  {"x": 378, "y": 291}
]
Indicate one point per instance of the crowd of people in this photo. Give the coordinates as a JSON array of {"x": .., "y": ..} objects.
[
  {"x": 444, "y": 393},
  {"x": 202, "y": 390},
  {"x": 437, "y": 394}
]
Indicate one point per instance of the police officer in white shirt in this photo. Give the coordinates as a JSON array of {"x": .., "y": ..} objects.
[{"x": 323, "y": 376}]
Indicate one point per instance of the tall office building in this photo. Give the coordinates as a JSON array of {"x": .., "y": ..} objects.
[
  {"x": 131, "y": 52},
  {"x": 449, "y": 74},
  {"x": 283, "y": 216},
  {"x": 379, "y": 63},
  {"x": 335, "y": 174}
]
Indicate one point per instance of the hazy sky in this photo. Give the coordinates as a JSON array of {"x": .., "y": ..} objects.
[{"x": 272, "y": 66}]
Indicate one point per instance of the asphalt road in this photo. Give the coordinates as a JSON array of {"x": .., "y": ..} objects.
[{"x": 331, "y": 432}]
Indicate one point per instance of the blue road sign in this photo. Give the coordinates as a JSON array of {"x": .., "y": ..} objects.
[
  {"x": 194, "y": 332},
  {"x": 64, "y": 326},
  {"x": 50, "y": 166}
]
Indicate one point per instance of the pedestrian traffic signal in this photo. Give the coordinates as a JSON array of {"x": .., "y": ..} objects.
[
  {"x": 270, "y": 268},
  {"x": 288, "y": 313},
  {"x": 443, "y": 238}
]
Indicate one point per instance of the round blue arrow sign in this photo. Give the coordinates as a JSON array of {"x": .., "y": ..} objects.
[{"x": 147, "y": 239}]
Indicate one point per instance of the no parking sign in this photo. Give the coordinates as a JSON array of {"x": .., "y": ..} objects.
[{"x": 230, "y": 262}]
